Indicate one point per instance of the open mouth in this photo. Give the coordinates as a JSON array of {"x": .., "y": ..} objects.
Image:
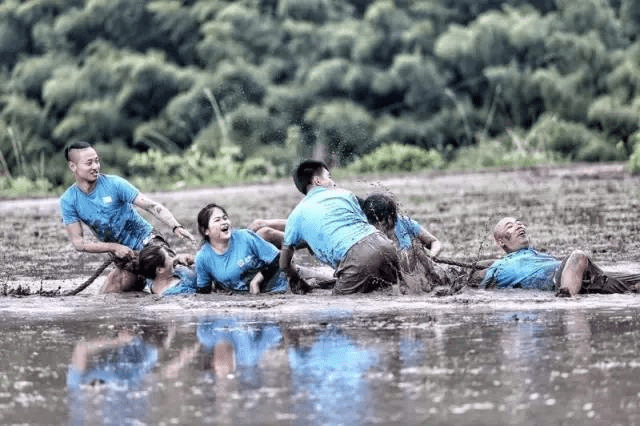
[{"x": 225, "y": 228}]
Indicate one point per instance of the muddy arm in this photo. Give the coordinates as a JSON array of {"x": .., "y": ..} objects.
[{"x": 78, "y": 241}]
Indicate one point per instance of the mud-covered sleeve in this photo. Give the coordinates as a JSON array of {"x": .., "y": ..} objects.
[{"x": 490, "y": 277}]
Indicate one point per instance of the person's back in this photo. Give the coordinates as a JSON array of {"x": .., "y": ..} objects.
[{"x": 334, "y": 226}]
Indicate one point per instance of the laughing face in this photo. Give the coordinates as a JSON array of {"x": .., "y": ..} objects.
[
  {"x": 219, "y": 228},
  {"x": 511, "y": 235},
  {"x": 85, "y": 164}
]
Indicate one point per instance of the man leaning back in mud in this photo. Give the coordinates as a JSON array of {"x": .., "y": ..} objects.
[{"x": 525, "y": 267}]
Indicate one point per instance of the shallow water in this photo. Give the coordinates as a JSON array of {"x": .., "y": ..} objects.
[{"x": 477, "y": 358}]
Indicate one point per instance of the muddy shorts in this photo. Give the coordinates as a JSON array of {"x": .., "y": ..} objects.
[
  {"x": 370, "y": 264},
  {"x": 595, "y": 280}
]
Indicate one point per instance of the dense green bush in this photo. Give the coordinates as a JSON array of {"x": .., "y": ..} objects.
[{"x": 395, "y": 157}]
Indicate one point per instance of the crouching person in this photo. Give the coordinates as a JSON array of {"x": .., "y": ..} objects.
[{"x": 335, "y": 228}]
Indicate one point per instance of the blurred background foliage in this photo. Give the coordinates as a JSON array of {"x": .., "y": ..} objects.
[{"x": 199, "y": 92}]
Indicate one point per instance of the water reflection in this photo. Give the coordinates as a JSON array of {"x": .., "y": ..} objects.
[
  {"x": 502, "y": 367},
  {"x": 328, "y": 379},
  {"x": 106, "y": 376}
]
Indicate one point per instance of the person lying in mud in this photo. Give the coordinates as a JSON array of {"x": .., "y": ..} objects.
[
  {"x": 415, "y": 245},
  {"x": 167, "y": 274},
  {"x": 332, "y": 223},
  {"x": 106, "y": 204},
  {"x": 525, "y": 267},
  {"x": 238, "y": 260}
]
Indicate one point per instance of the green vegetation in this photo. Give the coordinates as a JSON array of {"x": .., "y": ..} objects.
[{"x": 241, "y": 90}]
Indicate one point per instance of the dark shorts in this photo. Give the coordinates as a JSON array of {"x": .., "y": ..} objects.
[
  {"x": 370, "y": 264},
  {"x": 595, "y": 280}
]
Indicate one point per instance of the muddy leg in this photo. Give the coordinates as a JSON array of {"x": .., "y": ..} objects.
[{"x": 571, "y": 278}]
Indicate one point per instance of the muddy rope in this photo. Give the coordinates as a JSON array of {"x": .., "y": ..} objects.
[
  {"x": 89, "y": 280},
  {"x": 456, "y": 263}
]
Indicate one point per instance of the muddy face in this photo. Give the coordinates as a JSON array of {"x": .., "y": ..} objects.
[{"x": 511, "y": 235}]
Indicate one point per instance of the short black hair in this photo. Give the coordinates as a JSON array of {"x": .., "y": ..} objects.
[
  {"x": 305, "y": 172},
  {"x": 76, "y": 145},
  {"x": 380, "y": 208},
  {"x": 204, "y": 216}
]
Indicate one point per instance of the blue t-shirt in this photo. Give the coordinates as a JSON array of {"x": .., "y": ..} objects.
[
  {"x": 233, "y": 270},
  {"x": 406, "y": 230},
  {"x": 187, "y": 283},
  {"x": 330, "y": 221},
  {"x": 108, "y": 211},
  {"x": 525, "y": 268}
]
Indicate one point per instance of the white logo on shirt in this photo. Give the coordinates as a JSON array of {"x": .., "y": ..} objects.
[{"x": 107, "y": 199}]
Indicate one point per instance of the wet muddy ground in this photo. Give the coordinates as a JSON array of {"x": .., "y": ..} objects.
[{"x": 478, "y": 357}]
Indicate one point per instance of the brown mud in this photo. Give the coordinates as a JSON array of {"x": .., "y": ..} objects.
[{"x": 588, "y": 207}]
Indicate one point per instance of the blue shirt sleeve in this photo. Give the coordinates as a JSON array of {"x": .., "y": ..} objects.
[
  {"x": 125, "y": 190},
  {"x": 264, "y": 250},
  {"x": 292, "y": 236},
  {"x": 204, "y": 278}
]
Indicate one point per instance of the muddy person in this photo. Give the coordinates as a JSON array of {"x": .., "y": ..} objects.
[
  {"x": 415, "y": 245},
  {"x": 334, "y": 226},
  {"x": 525, "y": 267},
  {"x": 168, "y": 273},
  {"x": 106, "y": 204}
]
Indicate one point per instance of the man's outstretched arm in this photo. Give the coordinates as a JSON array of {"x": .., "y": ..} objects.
[{"x": 163, "y": 214}]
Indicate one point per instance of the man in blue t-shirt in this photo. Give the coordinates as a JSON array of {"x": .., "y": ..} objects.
[
  {"x": 525, "y": 267},
  {"x": 333, "y": 225},
  {"x": 105, "y": 204}
]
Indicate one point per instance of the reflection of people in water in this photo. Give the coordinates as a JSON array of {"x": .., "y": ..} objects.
[
  {"x": 231, "y": 347},
  {"x": 330, "y": 372},
  {"x": 115, "y": 367}
]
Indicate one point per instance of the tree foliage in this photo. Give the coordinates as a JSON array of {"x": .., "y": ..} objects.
[{"x": 274, "y": 80}]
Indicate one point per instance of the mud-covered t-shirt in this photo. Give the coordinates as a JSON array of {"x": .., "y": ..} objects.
[
  {"x": 234, "y": 269},
  {"x": 406, "y": 230},
  {"x": 525, "y": 268},
  {"x": 108, "y": 211},
  {"x": 330, "y": 221}
]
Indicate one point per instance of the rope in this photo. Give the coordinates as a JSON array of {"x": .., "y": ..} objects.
[
  {"x": 456, "y": 263},
  {"x": 82, "y": 286}
]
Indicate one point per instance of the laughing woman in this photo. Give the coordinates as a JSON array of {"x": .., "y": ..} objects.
[{"x": 236, "y": 260}]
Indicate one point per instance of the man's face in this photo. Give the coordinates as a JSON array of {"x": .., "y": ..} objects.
[
  {"x": 85, "y": 164},
  {"x": 324, "y": 179},
  {"x": 511, "y": 235}
]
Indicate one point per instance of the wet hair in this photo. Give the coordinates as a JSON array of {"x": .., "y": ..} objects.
[
  {"x": 380, "y": 208},
  {"x": 305, "y": 172},
  {"x": 204, "y": 216},
  {"x": 150, "y": 258},
  {"x": 76, "y": 145}
]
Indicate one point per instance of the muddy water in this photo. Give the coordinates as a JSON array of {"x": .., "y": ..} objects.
[{"x": 482, "y": 357}]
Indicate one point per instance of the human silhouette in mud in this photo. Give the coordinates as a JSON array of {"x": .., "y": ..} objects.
[
  {"x": 106, "y": 204},
  {"x": 332, "y": 223},
  {"x": 415, "y": 245},
  {"x": 525, "y": 267}
]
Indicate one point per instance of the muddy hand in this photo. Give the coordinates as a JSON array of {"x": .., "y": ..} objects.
[{"x": 183, "y": 233}]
